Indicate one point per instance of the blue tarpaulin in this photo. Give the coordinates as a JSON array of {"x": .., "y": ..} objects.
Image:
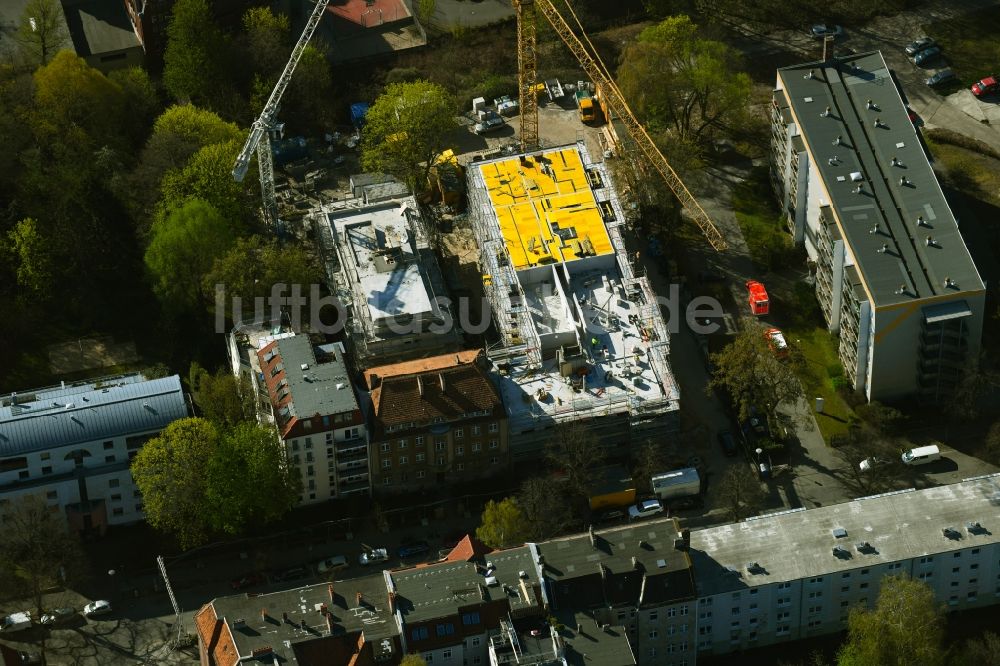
[{"x": 358, "y": 111}]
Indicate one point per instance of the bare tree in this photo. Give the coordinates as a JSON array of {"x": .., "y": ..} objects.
[
  {"x": 650, "y": 459},
  {"x": 37, "y": 547},
  {"x": 871, "y": 461},
  {"x": 545, "y": 508},
  {"x": 740, "y": 493},
  {"x": 578, "y": 453},
  {"x": 42, "y": 31}
]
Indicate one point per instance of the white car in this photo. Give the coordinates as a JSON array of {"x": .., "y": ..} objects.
[
  {"x": 645, "y": 509},
  {"x": 57, "y": 616},
  {"x": 869, "y": 464},
  {"x": 101, "y": 607},
  {"x": 375, "y": 555},
  {"x": 335, "y": 563},
  {"x": 15, "y": 622}
]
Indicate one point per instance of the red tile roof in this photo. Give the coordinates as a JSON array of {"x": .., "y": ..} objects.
[
  {"x": 216, "y": 639},
  {"x": 467, "y": 550},
  {"x": 445, "y": 386}
]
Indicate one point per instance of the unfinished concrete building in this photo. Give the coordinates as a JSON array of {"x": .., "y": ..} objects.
[
  {"x": 582, "y": 336},
  {"x": 385, "y": 274}
]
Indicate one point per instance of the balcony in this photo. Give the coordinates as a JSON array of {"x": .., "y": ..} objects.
[
  {"x": 351, "y": 487},
  {"x": 351, "y": 446}
]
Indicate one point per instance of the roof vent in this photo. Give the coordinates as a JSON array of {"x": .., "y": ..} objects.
[
  {"x": 930, "y": 241},
  {"x": 920, "y": 220},
  {"x": 839, "y": 141},
  {"x": 810, "y": 75},
  {"x": 903, "y": 181},
  {"x": 304, "y": 366},
  {"x": 871, "y": 105},
  {"x": 896, "y": 162},
  {"x": 951, "y": 533},
  {"x": 864, "y": 547},
  {"x": 834, "y": 160},
  {"x": 522, "y": 574},
  {"x": 860, "y": 189},
  {"x": 948, "y": 282},
  {"x": 878, "y": 122},
  {"x": 974, "y": 528},
  {"x": 826, "y": 113},
  {"x": 839, "y": 532},
  {"x": 884, "y": 248},
  {"x": 874, "y": 230},
  {"x": 841, "y": 552},
  {"x": 754, "y": 568},
  {"x": 857, "y": 176},
  {"x": 901, "y": 290}
]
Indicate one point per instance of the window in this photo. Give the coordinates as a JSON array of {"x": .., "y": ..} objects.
[
  {"x": 672, "y": 629},
  {"x": 440, "y": 461},
  {"x": 116, "y": 497},
  {"x": 139, "y": 508},
  {"x": 654, "y": 616},
  {"x": 418, "y": 440},
  {"x": 784, "y": 586},
  {"x": 707, "y": 601},
  {"x": 864, "y": 572},
  {"x": 459, "y": 433},
  {"x": 814, "y": 595},
  {"x": 109, "y": 445},
  {"x": 783, "y": 630},
  {"x": 754, "y": 591},
  {"x": 446, "y": 654},
  {"x": 671, "y": 612},
  {"x": 736, "y": 596},
  {"x": 652, "y": 652},
  {"x": 815, "y": 609},
  {"x": 736, "y": 610},
  {"x": 971, "y": 596},
  {"x": 817, "y": 579},
  {"x": 445, "y": 629},
  {"x": 705, "y": 615},
  {"x": 753, "y": 606},
  {"x": 653, "y": 634},
  {"x": 459, "y": 450},
  {"x": 973, "y": 567},
  {"x": 953, "y": 600},
  {"x": 309, "y": 443},
  {"x": 403, "y": 478},
  {"x": 385, "y": 447},
  {"x": 926, "y": 560},
  {"x": 387, "y": 481},
  {"x": 956, "y": 569},
  {"x": 421, "y": 457},
  {"x": 47, "y": 470},
  {"x": 973, "y": 581},
  {"x": 118, "y": 511},
  {"x": 421, "y": 473},
  {"x": 386, "y": 464},
  {"x": 494, "y": 444},
  {"x": 470, "y": 618},
  {"x": 959, "y": 554},
  {"x": 924, "y": 576},
  {"x": 846, "y": 588},
  {"x": 475, "y": 642},
  {"x": 864, "y": 586},
  {"x": 477, "y": 447},
  {"x": 784, "y": 601},
  {"x": 475, "y": 430},
  {"x": 494, "y": 427},
  {"x": 494, "y": 460},
  {"x": 704, "y": 631},
  {"x": 113, "y": 483},
  {"x": 845, "y": 604},
  {"x": 735, "y": 624},
  {"x": 460, "y": 467},
  {"x": 51, "y": 495},
  {"x": 310, "y": 471},
  {"x": 402, "y": 443},
  {"x": 440, "y": 445},
  {"x": 975, "y": 551},
  {"x": 419, "y": 633},
  {"x": 403, "y": 460},
  {"x": 784, "y": 615}
]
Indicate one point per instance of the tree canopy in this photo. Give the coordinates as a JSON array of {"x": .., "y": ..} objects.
[
  {"x": 502, "y": 524},
  {"x": 740, "y": 493},
  {"x": 545, "y": 508},
  {"x": 576, "y": 452},
  {"x": 207, "y": 175},
  {"x": 222, "y": 398},
  {"x": 32, "y": 259},
  {"x": 406, "y": 130},
  {"x": 41, "y": 32},
  {"x": 191, "y": 63},
  {"x": 197, "y": 481},
  {"x": 906, "y": 626}
]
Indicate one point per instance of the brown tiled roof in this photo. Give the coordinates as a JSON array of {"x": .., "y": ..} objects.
[
  {"x": 216, "y": 639},
  {"x": 467, "y": 550},
  {"x": 421, "y": 365},
  {"x": 421, "y": 397}
]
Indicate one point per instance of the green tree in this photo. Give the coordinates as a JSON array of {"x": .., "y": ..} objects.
[
  {"x": 267, "y": 37},
  {"x": 208, "y": 176},
  {"x": 867, "y": 443},
  {"x": 413, "y": 660},
  {"x": 140, "y": 98},
  {"x": 37, "y": 549},
  {"x": 905, "y": 627},
  {"x": 502, "y": 524},
  {"x": 32, "y": 257},
  {"x": 406, "y": 129},
  {"x": 41, "y": 32},
  {"x": 250, "y": 481},
  {"x": 312, "y": 86},
  {"x": 191, "y": 61},
  {"x": 170, "y": 472},
  {"x": 993, "y": 443},
  {"x": 752, "y": 374},
  {"x": 981, "y": 651},
  {"x": 222, "y": 398},
  {"x": 677, "y": 80},
  {"x": 740, "y": 493},
  {"x": 182, "y": 250}
]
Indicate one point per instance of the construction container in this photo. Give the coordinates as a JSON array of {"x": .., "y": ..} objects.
[{"x": 678, "y": 483}]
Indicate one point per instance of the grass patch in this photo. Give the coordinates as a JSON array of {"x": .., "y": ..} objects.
[
  {"x": 760, "y": 221},
  {"x": 968, "y": 171},
  {"x": 819, "y": 371},
  {"x": 969, "y": 42}
]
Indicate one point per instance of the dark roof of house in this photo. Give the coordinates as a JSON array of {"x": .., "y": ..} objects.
[
  {"x": 859, "y": 90},
  {"x": 588, "y": 643},
  {"x": 98, "y": 26},
  {"x": 444, "y": 387}
]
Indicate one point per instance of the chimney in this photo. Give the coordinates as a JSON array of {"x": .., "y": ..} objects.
[
  {"x": 263, "y": 613},
  {"x": 302, "y": 624},
  {"x": 895, "y": 162},
  {"x": 329, "y": 588},
  {"x": 686, "y": 535},
  {"x": 357, "y": 598},
  {"x": 392, "y": 602},
  {"x": 593, "y": 539},
  {"x": 284, "y": 617},
  {"x": 420, "y": 386},
  {"x": 322, "y": 609},
  {"x": 635, "y": 562},
  {"x": 441, "y": 378},
  {"x": 903, "y": 181},
  {"x": 329, "y": 621},
  {"x": 878, "y": 122},
  {"x": 839, "y": 140},
  {"x": 901, "y": 290},
  {"x": 826, "y": 113}
]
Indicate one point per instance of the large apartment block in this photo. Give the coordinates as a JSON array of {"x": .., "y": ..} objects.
[
  {"x": 436, "y": 420},
  {"x": 583, "y": 337},
  {"x": 72, "y": 444},
  {"x": 893, "y": 275}
]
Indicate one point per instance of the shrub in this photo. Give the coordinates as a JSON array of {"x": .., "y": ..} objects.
[{"x": 403, "y": 75}]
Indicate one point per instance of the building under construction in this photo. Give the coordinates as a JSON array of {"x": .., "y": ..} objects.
[{"x": 582, "y": 336}]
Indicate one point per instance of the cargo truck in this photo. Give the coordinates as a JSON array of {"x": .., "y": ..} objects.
[
  {"x": 678, "y": 483},
  {"x": 585, "y": 105}
]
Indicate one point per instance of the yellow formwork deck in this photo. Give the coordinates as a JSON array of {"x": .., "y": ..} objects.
[{"x": 533, "y": 198}]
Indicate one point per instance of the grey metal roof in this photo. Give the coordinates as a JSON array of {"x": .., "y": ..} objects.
[
  {"x": 859, "y": 90},
  {"x": 796, "y": 544},
  {"x": 321, "y": 388},
  {"x": 64, "y": 416}
]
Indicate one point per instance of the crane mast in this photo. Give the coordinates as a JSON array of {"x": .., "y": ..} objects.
[
  {"x": 527, "y": 75},
  {"x": 614, "y": 100},
  {"x": 259, "y": 139}
]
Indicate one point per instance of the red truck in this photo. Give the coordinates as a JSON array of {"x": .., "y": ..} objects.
[{"x": 757, "y": 297}]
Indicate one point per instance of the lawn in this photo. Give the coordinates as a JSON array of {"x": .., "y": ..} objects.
[
  {"x": 760, "y": 221},
  {"x": 970, "y": 43},
  {"x": 817, "y": 371},
  {"x": 968, "y": 171}
]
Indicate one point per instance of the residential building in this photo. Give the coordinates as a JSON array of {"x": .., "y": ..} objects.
[
  {"x": 385, "y": 274},
  {"x": 102, "y": 34},
  {"x": 796, "y": 574},
  {"x": 72, "y": 444},
  {"x": 150, "y": 19},
  {"x": 316, "y": 413},
  {"x": 436, "y": 420},
  {"x": 583, "y": 337},
  {"x": 893, "y": 275},
  {"x": 365, "y": 29}
]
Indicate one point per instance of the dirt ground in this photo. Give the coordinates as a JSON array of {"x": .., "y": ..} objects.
[{"x": 90, "y": 353}]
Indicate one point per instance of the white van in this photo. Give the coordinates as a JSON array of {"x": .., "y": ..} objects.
[
  {"x": 16, "y": 622},
  {"x": 921, "y": 455}
]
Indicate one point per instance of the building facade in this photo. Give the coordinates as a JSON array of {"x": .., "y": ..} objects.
[
  {"x": 583, "y": 336},
  {"x": 437, "y": 420},
  {"x": 72, "y": 444},
  {"x": 893, "y": 275},
  {"x": 312, "y": 404}
]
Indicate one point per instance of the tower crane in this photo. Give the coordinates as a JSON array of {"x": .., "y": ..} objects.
[
  {"x": 259, "y": 138},
  {"x": 613, "y": 100}
]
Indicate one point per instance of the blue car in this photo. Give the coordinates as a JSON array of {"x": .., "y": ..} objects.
[{"x": 413, "y": 549}]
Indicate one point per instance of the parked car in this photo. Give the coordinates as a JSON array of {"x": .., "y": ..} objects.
[
  {"x": 15, "y": 622},
  {"x": 611, "y": 515},
  {"x": 758, "y": 423},
  {"x": 922, "y": 455},
  {"x": 685, "y": 503},
  {"x": 57, "y": 616},
  {"x": 491, "y": 121},
  {"x": 918, "y": 45},
  {"x": 248, "y": 580},
  {"x": 333, "y": 563},
  {"x": 96, "y": 608},
  {"x": 926, "y": 56},
  {"x": 373, "y": 556},
  {"x": 295, "y": 573},
  {"x": 824, "y": 30},
  {"x": 413, "y": 549},
  {"x": 728, "y": 443},
  {"x": 645, "y": 509},
  {"x": 871, "y": 463},
  {"x": 776, "y": 341},
  {"x": 988, "y": 86},
  {"x": 940, "y": 78}
]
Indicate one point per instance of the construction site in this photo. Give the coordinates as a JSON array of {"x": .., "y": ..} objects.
[{"x": 582, "y": 337}]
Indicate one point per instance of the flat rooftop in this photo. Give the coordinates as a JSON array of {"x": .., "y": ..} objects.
[
  {"x": 438, "y": 590},
  {"x": 315, "y": 387},
  {"x": 799, "y": 544},
  {"x": 858, "y": 91},
  {"x": 546, "y": 208},
  {"x": 591, "y": 644}
]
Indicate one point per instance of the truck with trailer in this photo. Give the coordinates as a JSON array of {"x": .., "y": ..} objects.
[{"x": 675, "y": 484}]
